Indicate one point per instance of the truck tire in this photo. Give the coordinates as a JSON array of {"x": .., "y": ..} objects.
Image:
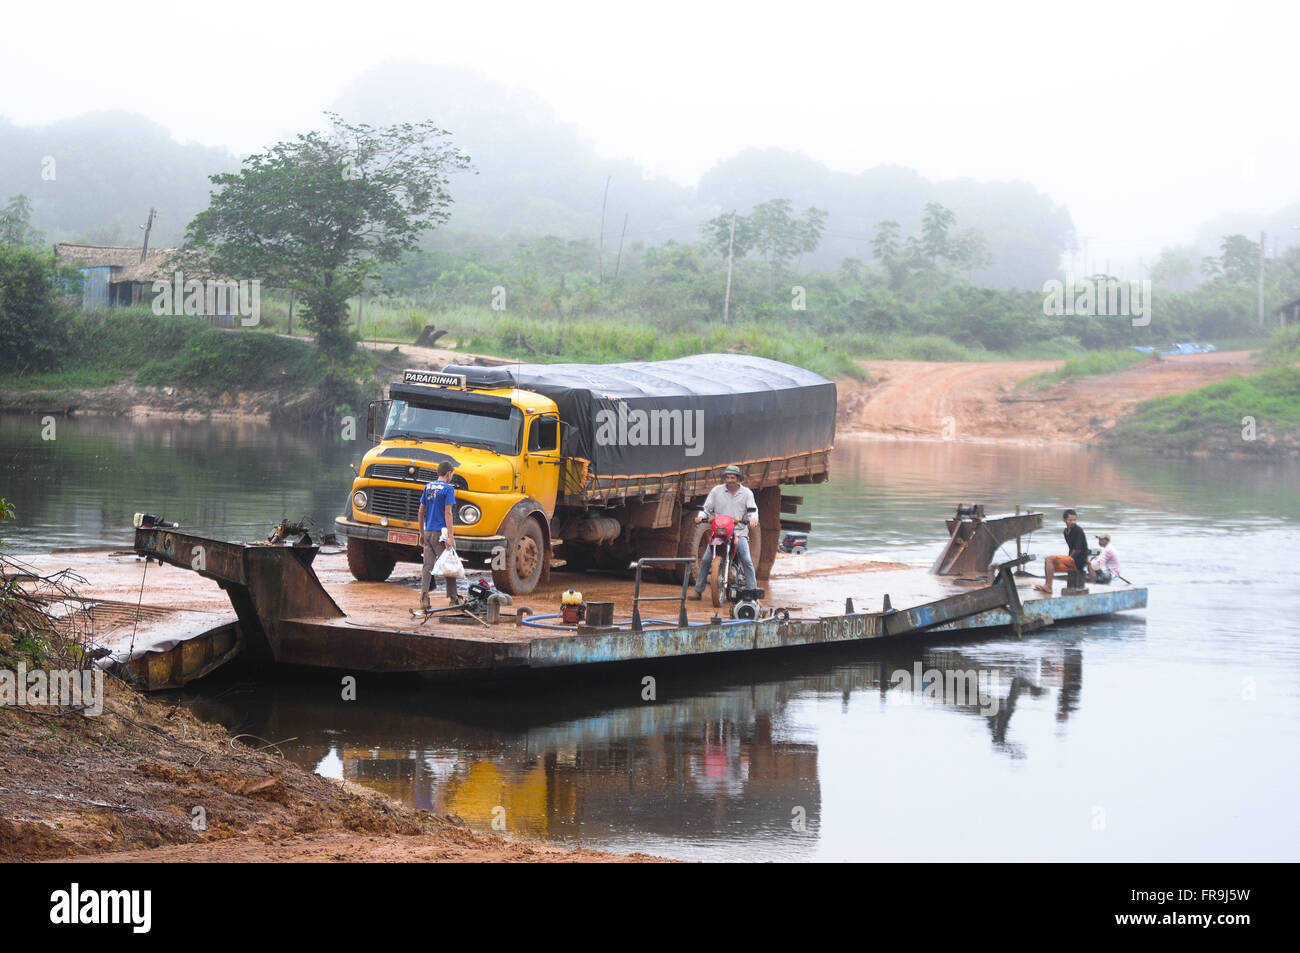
[
  {"x": 524, "y": 556},
  {"x": 694, "y": 540},
  {"x": 368, "y": 561},
  {"x": 768, "y": 537}
]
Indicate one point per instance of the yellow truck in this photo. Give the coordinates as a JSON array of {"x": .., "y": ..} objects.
[{"x": 593, "y": 464}]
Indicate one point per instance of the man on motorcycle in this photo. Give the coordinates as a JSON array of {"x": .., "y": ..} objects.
[{"x": 729, "y": 498}]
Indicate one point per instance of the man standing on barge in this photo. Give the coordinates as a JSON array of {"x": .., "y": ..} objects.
[
  {"x": 436, "y": 534},
  {"x": 730, "y": 498}
]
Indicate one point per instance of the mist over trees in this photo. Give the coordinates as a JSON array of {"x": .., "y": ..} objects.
[
  {"x": 535, "y": 177},
  {"x": 94, "y": 178},
  {"x": 1025, "y": 232},
  {"x": 571, "y": 234}
]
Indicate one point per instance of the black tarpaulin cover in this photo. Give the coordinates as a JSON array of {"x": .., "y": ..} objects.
[{"x": 696, "y": 412}]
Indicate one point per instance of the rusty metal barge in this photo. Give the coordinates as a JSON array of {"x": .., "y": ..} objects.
[{"x": 284, "y": 617}]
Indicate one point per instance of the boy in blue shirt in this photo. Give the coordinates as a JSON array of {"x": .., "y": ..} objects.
[{"x": 435, "y": 519}]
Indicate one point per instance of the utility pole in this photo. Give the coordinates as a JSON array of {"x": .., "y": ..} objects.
[
  {"x": 602, "y": 229},
  {"x": 731, "y": 245},
  {"x": 619, "y": 260},
  {"x": 148, "y": 227},
  {"x": 1261, "y": 280}
]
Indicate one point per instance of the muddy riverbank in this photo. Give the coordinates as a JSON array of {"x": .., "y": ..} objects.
[{"x": 147, "y": 781}]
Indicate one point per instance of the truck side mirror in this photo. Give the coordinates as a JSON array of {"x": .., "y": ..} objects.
[{"x": 377, "y": 419}]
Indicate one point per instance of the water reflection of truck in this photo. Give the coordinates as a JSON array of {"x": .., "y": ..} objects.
[{"x": 606, "y": 462}]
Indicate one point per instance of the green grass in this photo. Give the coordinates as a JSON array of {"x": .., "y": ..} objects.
[
  {"x": 134, "y": 345},
  {"x": 1055, "y": 349},
  {"x": 1282, "y": 348},
  {"x": 1218, "y": 412},
  {"x": 215, "y": 360},
  {"x": 1089, "y": 364},
  {"x": 613, "y": 341},
  {"x": 106, "y": 347},
  {"x": 1246, "y": 343}
]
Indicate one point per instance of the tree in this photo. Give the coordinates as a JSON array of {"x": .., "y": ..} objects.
[
  {"x": 887, "y": 247},
  {"x": 934, "y": 244},
  {"x": 1175, "y": 269},
  {"x": 34, "y": 318},
  {"x": 933, "y": 250},
  {"x": 718, "y": 237},
  {"x": 1237, "y": 264},
  {"x": 321, "y": 212},
  {"x": 16, "y": 224},
  {"x": 771, "y": 229}
]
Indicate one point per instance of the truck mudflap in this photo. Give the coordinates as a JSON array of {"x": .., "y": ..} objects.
[{"x": 384, "y": 534}]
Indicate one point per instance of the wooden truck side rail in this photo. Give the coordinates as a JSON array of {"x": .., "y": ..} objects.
[
  {"x": 658, "y": 507},
  {"x": 686, "y": 485}
]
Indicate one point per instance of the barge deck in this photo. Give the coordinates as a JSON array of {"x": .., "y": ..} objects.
[{"x": 283, "y": 614}]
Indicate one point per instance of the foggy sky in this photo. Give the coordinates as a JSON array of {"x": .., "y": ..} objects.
[{"x": 1143, "y": 119}]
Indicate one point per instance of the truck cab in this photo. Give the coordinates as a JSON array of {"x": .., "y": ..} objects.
[{"x": 505, "y": 445}]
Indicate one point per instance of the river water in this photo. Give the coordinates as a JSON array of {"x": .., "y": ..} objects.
[{"x": 1167, "y": 734}]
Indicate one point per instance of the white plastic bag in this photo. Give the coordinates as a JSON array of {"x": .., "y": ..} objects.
[{"x": 448, "y": 564}]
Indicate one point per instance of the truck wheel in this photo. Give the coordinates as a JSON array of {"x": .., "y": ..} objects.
[
  {"x": 369, "y": 562},
  {"x": 524, "y": 553},
  {"x": 694, "y": 541},
  {"x": 768, "y": 536}
]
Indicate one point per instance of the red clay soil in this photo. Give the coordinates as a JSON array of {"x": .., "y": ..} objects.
[
  {"x": 911, "y": 399},
  {"x": 124, "y": 786}
]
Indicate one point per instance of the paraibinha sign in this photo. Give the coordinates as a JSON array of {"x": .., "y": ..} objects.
[{"x": 433, "y": 379}]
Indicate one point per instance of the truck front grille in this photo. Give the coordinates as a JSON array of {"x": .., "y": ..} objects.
[
  {"x": 422, "y": 475},
  {"x": 394, "y": 502}
]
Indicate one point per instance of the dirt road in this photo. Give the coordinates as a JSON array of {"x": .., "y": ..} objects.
[{"x": 981, "y": 400}]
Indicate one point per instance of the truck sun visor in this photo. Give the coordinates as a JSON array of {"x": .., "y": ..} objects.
[{"x": 437, "y": 398}]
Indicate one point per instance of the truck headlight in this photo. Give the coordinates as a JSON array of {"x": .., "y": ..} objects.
[
  {"x": 359, "y": 499},
  {"x": 469, "y": 514}
]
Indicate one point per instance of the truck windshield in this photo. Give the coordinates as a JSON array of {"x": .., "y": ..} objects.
[{"x": 453, "y": 426}]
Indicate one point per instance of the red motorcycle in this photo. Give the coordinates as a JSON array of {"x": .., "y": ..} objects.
[
  {"x": 724, "y": 576},
  {"x": 725, "y": 579}
]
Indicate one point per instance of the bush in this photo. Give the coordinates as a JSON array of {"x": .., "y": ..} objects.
[
  {"x": 1186, "y": 421},
  {"x": 1283, "y": 347},
  {"x": 1091, "y": 364},
  {"x": 34, "y": 320},
  {"x": 216, "y": 361}
]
